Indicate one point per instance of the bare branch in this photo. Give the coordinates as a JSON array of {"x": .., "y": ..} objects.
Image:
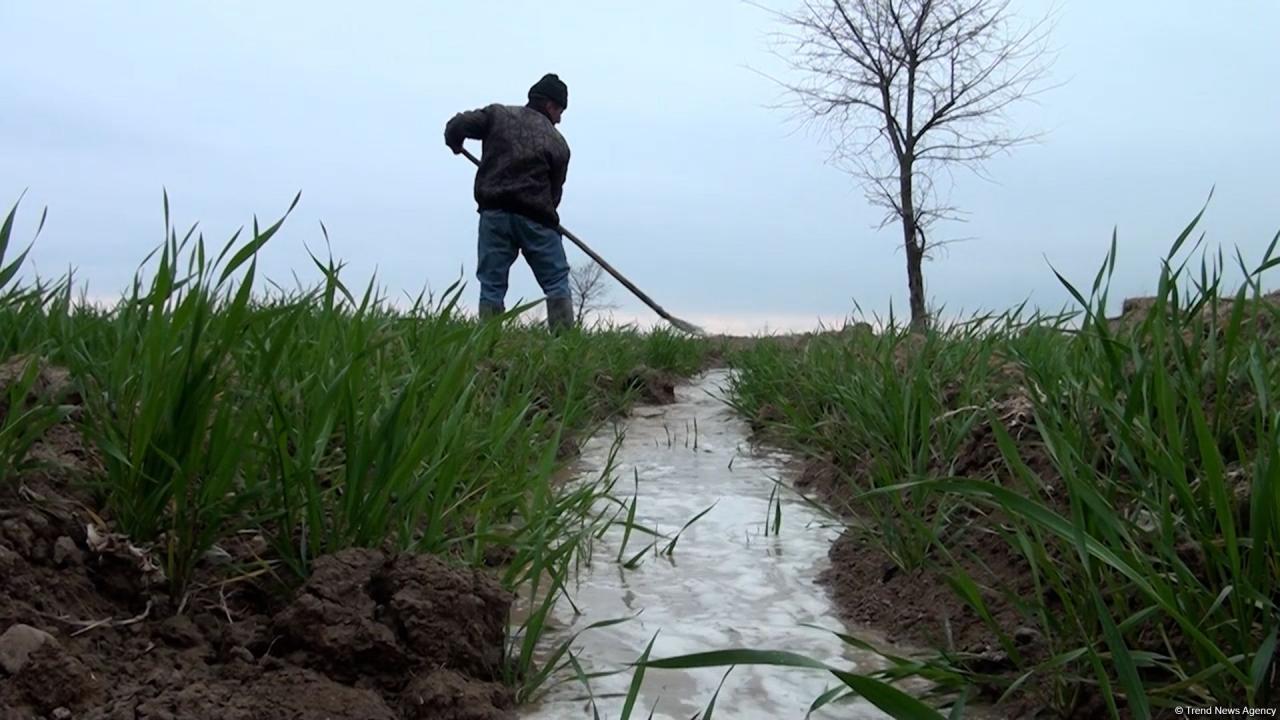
[
  {"x": 590, "y": 293},
  {"x": 908, "y": 89}
]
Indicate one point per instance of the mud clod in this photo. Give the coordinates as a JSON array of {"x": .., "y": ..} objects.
[
  {"x": 66, "y": 553},
  {"x": 54, "y": 678},
  {"x": 655, "y": 387},
  {"x": 449, "y": 617},
  {"x": 292, "y": 694},
  {"x": 18, "y": 643},
  {"x": 332, "y": 618},
  {"x": 446, "y": 695},
  {"x": 180, "y": 632}
]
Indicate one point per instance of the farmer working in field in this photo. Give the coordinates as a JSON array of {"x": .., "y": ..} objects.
[{"x": 523, "y": 164}]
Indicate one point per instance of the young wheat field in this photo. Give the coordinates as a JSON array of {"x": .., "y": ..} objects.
[{"x": 221, "y": 498}]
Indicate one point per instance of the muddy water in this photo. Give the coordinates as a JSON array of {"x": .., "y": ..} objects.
[{"x": 731, "y": 583}]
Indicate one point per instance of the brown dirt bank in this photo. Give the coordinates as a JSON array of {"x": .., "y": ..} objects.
[
  {"x": 919, "y": 607},
  {"x": 86, "y": 632}
]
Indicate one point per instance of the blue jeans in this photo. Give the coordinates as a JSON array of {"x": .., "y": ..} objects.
[{"x": 503, "y": 235}]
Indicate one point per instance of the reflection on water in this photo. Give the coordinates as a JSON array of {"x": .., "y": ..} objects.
[{"x": 731, "y": 582}]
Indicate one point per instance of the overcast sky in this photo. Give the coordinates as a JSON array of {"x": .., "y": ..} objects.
[{"x": 682, "y": 177}]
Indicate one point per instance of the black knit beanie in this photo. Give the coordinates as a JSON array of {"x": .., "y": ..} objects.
[{"x": 552, "y": 88}]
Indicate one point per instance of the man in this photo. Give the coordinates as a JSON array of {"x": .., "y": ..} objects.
[{"x": 523, "y": 164}]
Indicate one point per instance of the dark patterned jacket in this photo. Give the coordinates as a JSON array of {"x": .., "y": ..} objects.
[{"x": 523, "y": 163}]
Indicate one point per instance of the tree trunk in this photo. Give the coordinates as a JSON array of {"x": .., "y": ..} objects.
[
  {"x": 915, "y": 277},
  {"x": 914, "y": 251}
]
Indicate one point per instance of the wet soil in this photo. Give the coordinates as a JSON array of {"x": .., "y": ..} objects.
[
  {"x": 87, "y": 631},
  {"x": 919, "y": 607}
]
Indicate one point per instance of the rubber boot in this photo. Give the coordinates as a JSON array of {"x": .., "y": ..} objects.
[
  {"x": 559, "y": 314},
  {"x": 488, "y": 312}
]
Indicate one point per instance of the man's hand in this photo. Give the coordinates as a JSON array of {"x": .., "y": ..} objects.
[{"x": 473, "y": 124}]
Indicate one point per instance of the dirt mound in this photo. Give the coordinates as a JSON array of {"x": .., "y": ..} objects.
[
  {"x": 919, "y": 606},
  {"x": 368, "y": 636},
  {"x": 655, "y": 387},
  {"x": 241, "y": 691},
  {"x": 365, "y": 614},
  {"x": 1259, "y": 313},
  {"x": 50, "y": 382},
  {"x": 331, "y": 623},
  {"x": 446, "y": 695},
  {"x": 822, "y": 476},
  {"x": 979, "y": 454},
  {"x": 87, "y": 632},
  {"x": 768, "y": 415},
  {"x": 768, "y": 425}
]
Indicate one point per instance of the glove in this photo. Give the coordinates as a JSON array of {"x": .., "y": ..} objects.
[{"x": 453, "y": 142}]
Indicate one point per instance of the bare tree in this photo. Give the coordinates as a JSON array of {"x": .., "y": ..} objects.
[
  {"x": 590, "y": 292},
  {"x": 909, "y": 89}
]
